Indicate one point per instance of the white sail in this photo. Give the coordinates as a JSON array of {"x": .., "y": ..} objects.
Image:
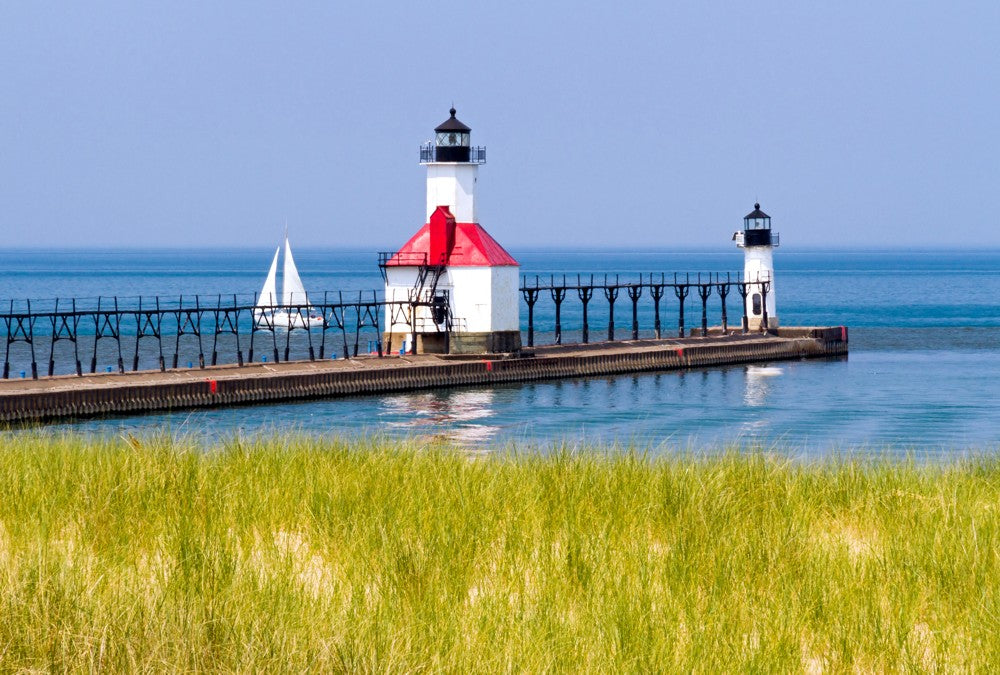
[
  {"x": 274, "y": 313},
  {"x": 293, "y": 292},
  {"x": 269, "y": 293}
]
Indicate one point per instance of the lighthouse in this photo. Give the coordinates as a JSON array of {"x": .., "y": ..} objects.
[
  {"x": 452, "y": 287},
  {"x": 758, "y": 242}
]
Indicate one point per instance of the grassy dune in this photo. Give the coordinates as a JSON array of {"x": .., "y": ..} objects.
[{"x": 302, "y": 554}]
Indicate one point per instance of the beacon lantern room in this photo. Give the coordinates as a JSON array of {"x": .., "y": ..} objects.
[
  {"x": 451, "y": 140},
  {"x": 756, "y": 230},
  {"x": 452, "y": 143}
]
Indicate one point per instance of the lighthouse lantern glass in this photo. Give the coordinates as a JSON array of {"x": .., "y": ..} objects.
[{"x": 452, "y": 139}]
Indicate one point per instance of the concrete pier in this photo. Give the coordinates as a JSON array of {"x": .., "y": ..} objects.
[{"x": 65, "y": 397}]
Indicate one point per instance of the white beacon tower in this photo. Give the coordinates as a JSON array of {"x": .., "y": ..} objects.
[
  {"x": 461, "y": 285},
  {"x": 452, "y": 170},
  {"x": 758, "y": 242}
]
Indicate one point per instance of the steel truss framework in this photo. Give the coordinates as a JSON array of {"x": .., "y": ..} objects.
[
  {"x": 162, "y": 328},
  {"x": 655, "y": 286},
  {"x": 120, "y": 327}
]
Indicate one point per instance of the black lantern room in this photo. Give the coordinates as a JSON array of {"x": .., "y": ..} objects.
[
  {"x": 757, "y": 229},
  {"x": 451, "y": 140}
]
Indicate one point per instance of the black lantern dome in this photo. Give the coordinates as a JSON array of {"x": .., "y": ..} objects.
[
  {"x": 452, "y": 144},
  {"x": 451, "y": 140},
  {"x": 757, "y": 229}
]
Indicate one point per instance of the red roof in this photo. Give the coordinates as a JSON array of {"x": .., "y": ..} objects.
[{"x": 473, "y": 247}]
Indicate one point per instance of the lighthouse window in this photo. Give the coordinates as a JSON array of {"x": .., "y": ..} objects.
[
  {"x": 756, "y": 303},
  {"x": 452, "y": 139}
]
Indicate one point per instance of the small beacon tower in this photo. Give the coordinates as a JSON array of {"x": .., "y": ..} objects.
[
  {"x": 758, "y": 242},
  {"x": 460, "y": 284},
  {"x": 452, "y": 170}
]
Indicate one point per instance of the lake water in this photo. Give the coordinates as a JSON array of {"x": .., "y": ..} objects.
[{"x": 922, "y": 375}]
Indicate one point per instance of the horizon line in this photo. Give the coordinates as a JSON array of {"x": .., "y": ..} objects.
[{"x": 701, "y": 248}]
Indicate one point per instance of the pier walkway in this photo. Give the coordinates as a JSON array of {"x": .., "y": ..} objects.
[{"x": 60, "y": 397}]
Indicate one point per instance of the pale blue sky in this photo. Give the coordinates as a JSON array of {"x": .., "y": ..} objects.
[{"x": 619, "y": 124}]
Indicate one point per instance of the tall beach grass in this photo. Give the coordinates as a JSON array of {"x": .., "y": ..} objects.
[{"x": 376, "y": 555}]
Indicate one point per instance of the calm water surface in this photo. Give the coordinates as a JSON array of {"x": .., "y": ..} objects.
[{"x": 922, "y": 376}]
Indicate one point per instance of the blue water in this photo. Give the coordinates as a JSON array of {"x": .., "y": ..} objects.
[{"x": 922, "y": 376}]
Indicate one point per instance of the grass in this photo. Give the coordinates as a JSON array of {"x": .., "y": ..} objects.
[{"x": 298, "y": 554}]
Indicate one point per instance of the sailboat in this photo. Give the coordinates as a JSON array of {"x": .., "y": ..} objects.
[{"x": 294, "y": 310}]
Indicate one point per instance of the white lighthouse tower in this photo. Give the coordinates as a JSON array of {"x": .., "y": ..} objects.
[
  {"x": 454, "y": 287},
  {"x": 452, "y": 170},
  {"x": 758, "y": 242}
]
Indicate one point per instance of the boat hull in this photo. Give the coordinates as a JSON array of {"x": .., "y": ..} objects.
[{"x": 286, "y": 320}]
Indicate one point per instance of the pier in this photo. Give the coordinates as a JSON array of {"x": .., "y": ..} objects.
[
  {"x": 73, "y": 396},
  {"x": 448, "y": 316}
]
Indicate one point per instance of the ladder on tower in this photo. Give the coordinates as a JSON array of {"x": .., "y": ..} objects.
[
  {"x": 424, "y": 292},
  {"x": 427, "y": 275}
]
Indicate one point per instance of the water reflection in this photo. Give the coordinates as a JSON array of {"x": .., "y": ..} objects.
[
  {"x": 756, "y": 392},
  {"x": 758, "y": 384},
  {"x": 870, "y": 401},
  {"x": 446, "y": 414}
]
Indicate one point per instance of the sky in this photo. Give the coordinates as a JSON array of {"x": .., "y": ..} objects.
[{"x": 626, "y": 124}]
